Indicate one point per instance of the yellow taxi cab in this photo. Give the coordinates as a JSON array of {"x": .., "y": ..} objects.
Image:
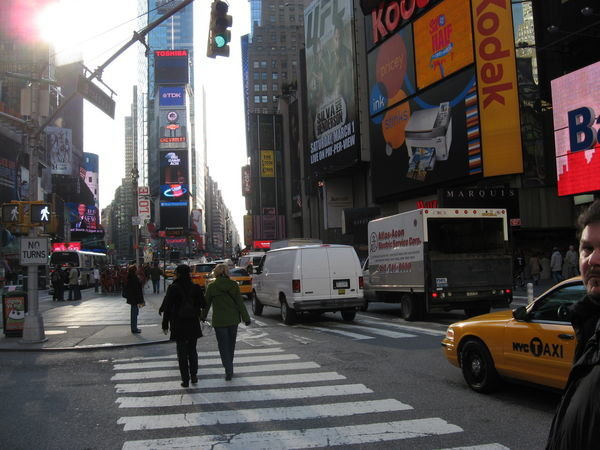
[
  {"x": 170, "y": 271},
  {"x": 242, "y": 277},
  {"x": 533, "y": 343},
  {"x": 200, "y": 272}
]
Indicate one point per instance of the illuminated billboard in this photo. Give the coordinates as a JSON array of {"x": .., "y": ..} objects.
[
  {"x": 391, "y": 71},
  {"x": 334, "y": 139},
  {"x": 172, "y": 128},
  {"x": 575, "y": 100},
  {"x": 174, "y": 175},
  {"x": 171, "y": 67},
  {"x": 427, "y": 140},
  {"x": 443, "y": 41},
  {"x": 83, "y": 218},
  {"x": 174, "y": 216},
  {"x": 171, "y": 96}
]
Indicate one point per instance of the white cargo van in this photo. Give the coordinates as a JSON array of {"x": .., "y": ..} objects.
[{"x": 298, "y": 279}]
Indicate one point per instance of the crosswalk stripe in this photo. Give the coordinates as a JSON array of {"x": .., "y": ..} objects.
[
  {"x": 206, "y": 418},
  {"x": 334, "y": 331},
  {"x": 306, "y": 438},
  {"x": 400, "y": 327},
  {"x": 379, "y": 331},
  {"x": 237, "y": 381},
  {"x": 205, "y": 362},
  {"x": 280, "y": 367},
  {"x": 246, "y": 351},
  {"x": 210, "y": 398}
]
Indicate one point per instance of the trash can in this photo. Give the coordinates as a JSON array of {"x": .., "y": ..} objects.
[{"x": 14, "y": 307}]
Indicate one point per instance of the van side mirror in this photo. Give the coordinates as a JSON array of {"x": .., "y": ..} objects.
[{"x": 521, "y": 314}]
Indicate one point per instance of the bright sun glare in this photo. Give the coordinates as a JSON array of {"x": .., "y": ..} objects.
[{"x": 67, "y": 23}]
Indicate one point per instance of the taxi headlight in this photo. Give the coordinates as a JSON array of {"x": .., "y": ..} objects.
[{"x": 450, "y": 334}]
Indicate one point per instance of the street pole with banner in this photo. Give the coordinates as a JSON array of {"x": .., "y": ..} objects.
[{"x": 33, "y": 253}]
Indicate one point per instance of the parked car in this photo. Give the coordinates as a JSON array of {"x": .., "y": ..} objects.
[
  {"x": 311, "y": 278},
  {"x": 533, "y": 343}
]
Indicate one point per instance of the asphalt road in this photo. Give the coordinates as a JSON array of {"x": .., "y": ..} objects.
[{"x": 379, "y": 383}]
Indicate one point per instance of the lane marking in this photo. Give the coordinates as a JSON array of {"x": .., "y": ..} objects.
[
  {"x": 262, "y": 395},
  {"x": 204, "y": 362},
  {"x": 494, "y": 446},
  {"x": 308, "y": 438},
  {"x": 123, "y": 376},
  {"x": 413, "y": 329},
  {"x": 237, "y": 381},
  {"x": 373, "y": 330},
  {"x": 334, "y": 331},
  {"x": 206, "y": 418}
]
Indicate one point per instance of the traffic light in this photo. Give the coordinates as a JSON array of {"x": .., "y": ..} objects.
[{"x": 218, "y": 33}]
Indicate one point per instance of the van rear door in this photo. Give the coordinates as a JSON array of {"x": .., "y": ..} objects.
[
  {"x": 343, "y": 272},
  {"x": 315, "y": 279}
]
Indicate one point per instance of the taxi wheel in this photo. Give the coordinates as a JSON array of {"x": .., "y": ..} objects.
[
  {"x": 288, "y": 315},
  {"x": 478, "y": 367},
  {"x": 257, "y": 306}
]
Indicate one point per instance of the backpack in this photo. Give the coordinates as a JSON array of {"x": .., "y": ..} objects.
[{"x": 56, "y": 277}]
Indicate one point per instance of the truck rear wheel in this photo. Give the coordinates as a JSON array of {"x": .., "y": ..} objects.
[
  {"x": 410, "y": 307},
  {"x": 288, "y": 315}
]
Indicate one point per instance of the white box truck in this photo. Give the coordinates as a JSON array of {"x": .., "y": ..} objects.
[{"x": 440, "y": 259}]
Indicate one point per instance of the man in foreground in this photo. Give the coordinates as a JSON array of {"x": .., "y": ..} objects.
[{"x": 576, "y": 423}]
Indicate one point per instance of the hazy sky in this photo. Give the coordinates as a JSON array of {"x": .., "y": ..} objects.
[{"x": 97, "y": 29}]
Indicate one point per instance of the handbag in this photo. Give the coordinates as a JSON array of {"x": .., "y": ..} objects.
[{"x": 207, "y": 328}]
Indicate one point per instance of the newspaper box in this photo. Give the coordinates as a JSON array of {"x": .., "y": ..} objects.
[{"x": 14, "y": 307}]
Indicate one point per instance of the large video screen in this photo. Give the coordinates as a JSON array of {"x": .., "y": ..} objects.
[
  {"x": 83, "y": 218},
  {"x": 574, "y": 97}
]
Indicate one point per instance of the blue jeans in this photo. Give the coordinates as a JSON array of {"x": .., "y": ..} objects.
[
  {"x": 134, "y": 315},
  {"x": 155, "y": 286},
  {"x": 226, "y": 337}
]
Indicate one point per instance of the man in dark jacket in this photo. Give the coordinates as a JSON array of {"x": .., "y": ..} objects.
[
  {"x": 576, "y": 423},
  {"x": 182, "y": 308},
  {"x": 134, "y": 293}
]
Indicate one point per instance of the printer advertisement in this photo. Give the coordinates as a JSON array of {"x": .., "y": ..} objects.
[{"x": 427, "y": 140}]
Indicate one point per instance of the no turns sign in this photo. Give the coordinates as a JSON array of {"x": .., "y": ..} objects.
[{"x": 34, "y": 251}]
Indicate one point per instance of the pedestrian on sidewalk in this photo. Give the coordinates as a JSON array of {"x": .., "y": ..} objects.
[
  {"x": 571, "y": 261},
  {"x": 155, "y": 274},
  {"x": 74, "y": 289},
  {"x": 58, "y": 285},
  {"x": 535, "y": 268},
  {"x": 182, "y": 309},
  {"x": 134, "y": 293},
  {"x": 576, "y": 423},
  {"x": 96, "y": 278},
  {"x": 556, "y": 264},
  {"x": 223, "y": 295}
]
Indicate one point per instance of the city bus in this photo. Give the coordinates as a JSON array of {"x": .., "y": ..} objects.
[{"x": 82, "y": 260}]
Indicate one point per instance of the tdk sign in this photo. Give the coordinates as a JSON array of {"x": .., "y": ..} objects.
[
  {"x": 171, "y": 96},
  {"x": 582, "y": 134}
]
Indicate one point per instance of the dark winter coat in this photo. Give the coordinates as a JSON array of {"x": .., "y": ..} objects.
[
  {"x": 576, "y": 423},
  {"x": 133, "y": 290},
  {"x": 173, "y": 307},
  {"x": 228, "y": 307}
]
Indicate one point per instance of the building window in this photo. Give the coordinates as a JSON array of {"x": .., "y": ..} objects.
[
  {"x": 274, "y": 99},
  {"x": 264, "y": 88},
  {"x": 263, "y": 64},
  {"x": 255, "y": 64},
  {"x": 263, "y": 75},
  {"x": 257, "y": 88},
  {"x": 274, "y": 64},
  {"x": 257, "y": 99},
  {"x": 275, "y": 87},
  {"x": 284, "y": 64},
  {"x": 256, "y": 76},
  {"x": 284, "y": 75},
  {"x": 274, "y": 75},
  {"x": 265, "y": 99},
  {"x": 273, "y": 37}
]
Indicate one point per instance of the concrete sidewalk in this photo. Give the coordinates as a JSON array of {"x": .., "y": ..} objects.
[{"x": 96, "y": 321}]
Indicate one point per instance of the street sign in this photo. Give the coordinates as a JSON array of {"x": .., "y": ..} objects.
[
  {"x": 96, "y": 96},
  {"x": 33, "y": 251},
  {"x": 40, "y": 213}
]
